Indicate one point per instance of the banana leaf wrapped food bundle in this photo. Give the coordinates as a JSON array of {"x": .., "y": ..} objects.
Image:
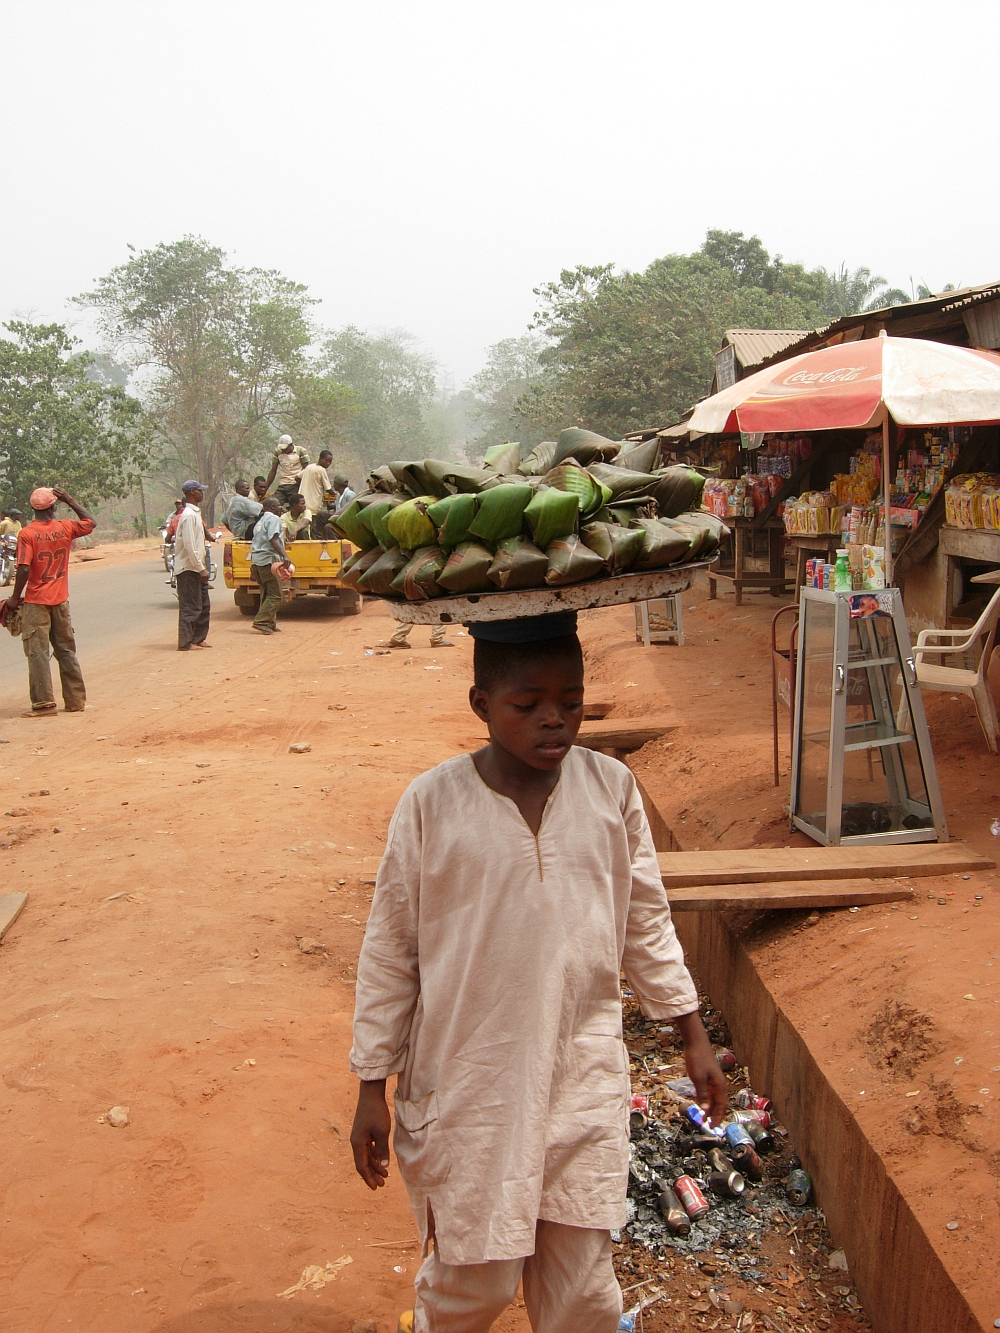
[{"x": 577, "y": 508}]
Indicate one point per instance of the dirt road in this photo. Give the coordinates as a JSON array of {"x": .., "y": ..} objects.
[{"x": 180, "y": 857}]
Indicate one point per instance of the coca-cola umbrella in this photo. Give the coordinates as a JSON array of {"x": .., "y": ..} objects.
[{"x": 861, "y": 384}]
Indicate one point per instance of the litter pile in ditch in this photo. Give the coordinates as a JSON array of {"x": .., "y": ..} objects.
[{"x": 755, "y": 1261}]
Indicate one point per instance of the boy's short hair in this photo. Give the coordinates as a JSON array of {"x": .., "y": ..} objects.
[{"x": 493, "y": 663}]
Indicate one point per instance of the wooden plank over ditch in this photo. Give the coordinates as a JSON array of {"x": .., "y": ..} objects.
[
  {"x": 11, "y": 907},
  {"x": 762, "y": 865},
  {"x": 802, "y": 895}
]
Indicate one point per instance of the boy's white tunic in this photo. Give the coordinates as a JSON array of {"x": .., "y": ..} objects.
[{"x": 489, "y": 981}]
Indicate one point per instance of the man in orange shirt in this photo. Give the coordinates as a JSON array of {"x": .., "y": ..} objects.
[{"x": 42, "y": 584}]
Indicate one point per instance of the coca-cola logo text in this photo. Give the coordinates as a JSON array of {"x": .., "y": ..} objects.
[{"x": 842, "y": 376}]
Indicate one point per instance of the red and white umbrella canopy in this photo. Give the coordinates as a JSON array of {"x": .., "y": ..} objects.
[{"x": 852, "y": 385}]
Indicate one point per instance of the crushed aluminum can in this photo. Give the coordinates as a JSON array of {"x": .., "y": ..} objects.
[
  {"x": 738, "y": 1136},
  {"x": 747, "y": 1162},
  {"x": 730, "y": 1184},
  {"x": 754, "y": 1117},
  {"x": 763, "y": 1139},
  {"x": 692, "y": 1200},
  {"x": 640, "y": 1102},
  {"x": 750, "y": 1101},
  {"x": 719, "y": 1161},
  {"x": 726, "y": 1059},
  {"x": 677, "y": 1221},
  {"x": 798, "y": 1188}
]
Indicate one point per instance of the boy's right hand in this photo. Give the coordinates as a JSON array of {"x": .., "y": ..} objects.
[{"x": 370, "y": 1134}]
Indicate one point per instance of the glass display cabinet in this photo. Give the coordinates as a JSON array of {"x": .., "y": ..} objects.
[{"x": 862, "y": 767}]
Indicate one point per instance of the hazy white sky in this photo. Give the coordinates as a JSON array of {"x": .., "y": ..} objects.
[{"x": 426, "y": 164}]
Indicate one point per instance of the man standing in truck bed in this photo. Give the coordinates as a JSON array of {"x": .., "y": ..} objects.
[{"x": 42, "y": 577}]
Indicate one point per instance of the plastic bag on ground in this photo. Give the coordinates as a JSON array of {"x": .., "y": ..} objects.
[
  {"x": 571, "y": 561},
  {"x": 518, "y": 564}
]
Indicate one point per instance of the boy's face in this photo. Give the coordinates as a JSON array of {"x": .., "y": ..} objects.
[{"x": 534, "y": 713}]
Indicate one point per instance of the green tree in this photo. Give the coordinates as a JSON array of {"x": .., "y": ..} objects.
[
  {"x": 631, "y": 350},
  {"x": 220, "y": 354},
  {"x": 61, "y": 425},
  {"x": 393, "y": 384},
  {"x": 514, "y": 366},
  {"x": 857, "y": 292}
]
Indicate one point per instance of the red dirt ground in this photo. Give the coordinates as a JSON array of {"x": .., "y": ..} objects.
[{"x": 157, "y": 964}]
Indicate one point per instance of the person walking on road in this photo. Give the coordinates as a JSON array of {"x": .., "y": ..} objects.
[
  {"x": 288, "y": 463},
  {"x": 401, "y": 636},
  {"x": 267, "y": 550},
  {"x": 194, "y": 606},
  {"x": 42, "y": 586}
]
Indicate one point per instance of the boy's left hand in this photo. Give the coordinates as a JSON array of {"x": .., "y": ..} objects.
[{"x": 703, "y": 1068}]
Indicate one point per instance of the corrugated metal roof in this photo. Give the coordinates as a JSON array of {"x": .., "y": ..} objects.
[
  {"x": 944, "y": 303},
  {"x": 752, "y": 346}
]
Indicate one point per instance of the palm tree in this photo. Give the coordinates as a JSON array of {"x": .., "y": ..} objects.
[{"x": 858, "y": 292}]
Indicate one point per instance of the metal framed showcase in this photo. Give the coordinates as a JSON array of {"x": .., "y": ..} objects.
[{"x": 862, "y": 766}]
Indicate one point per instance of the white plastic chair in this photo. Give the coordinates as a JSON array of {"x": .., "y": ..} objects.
[{"x": 960, "y": 680}]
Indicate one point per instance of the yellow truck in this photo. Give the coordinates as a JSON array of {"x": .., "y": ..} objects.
[{"x": 317, "y": 573}]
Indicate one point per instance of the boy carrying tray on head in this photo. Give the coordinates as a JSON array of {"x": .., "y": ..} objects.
[{"x": 517, "y": 884}]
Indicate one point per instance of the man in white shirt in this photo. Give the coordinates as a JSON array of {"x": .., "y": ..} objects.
[
  {"x": 287, "y": 464},
  {"x": 194, "y": 607},
  {"x": 315, "y": 482}
]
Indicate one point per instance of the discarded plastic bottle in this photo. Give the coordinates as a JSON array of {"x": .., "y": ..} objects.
[
  {"x": 692, "y": 1200},
  {"x": 677, "y": 1221},
  {"x": 798, "y": 1188},
  {"x": 730, "y": 1184},
  {"x": 700, "y": 1120},
  {"x": 763, "y": 1139}
]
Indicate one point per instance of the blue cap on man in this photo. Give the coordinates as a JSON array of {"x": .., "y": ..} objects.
[{"x": 192, "y": 486}]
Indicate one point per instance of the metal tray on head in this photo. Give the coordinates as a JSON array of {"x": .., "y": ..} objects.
[{"x": 469, "y": 608}]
